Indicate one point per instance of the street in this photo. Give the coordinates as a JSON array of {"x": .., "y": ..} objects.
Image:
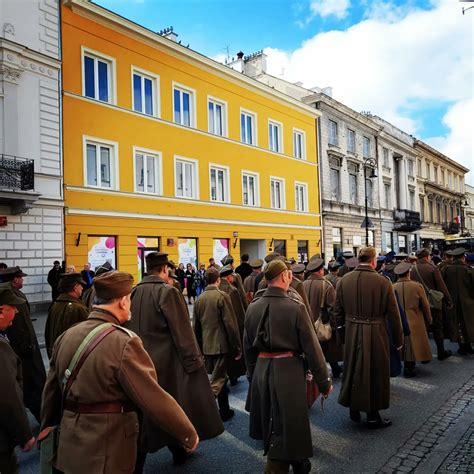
[{"x": 433, "y": 429}]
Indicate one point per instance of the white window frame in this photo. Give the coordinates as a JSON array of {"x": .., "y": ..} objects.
[
  {"x": 336, "y": 138},
  {"x": 297, "y": 131},
  {"x": 112, "y": 69},
  {"x": 159, "y": 170},
  {"x": 254, "y": 129},
  {"x": 283, "y": 192},
  {"x": 195, "y": 180},
  {"x": 256, "y": 177},
  {"x": 354, "y": 149},
  {"x": 226, "y": 170},
  {"x": 155, "y": 79},
  {"x": 225, "y": 119},
  {"x": 114, "y": 156},
  {"x": 305, "y": 196},
  {"x": 279, "y": 127},
  {"x": 192, "y": 103},
  {"x": 364, "y": 138}
]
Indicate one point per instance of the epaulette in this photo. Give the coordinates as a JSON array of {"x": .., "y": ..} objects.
[{"x": 130, "y": 333}]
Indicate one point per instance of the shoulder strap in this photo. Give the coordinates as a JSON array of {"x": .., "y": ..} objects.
[{"x": 421, "y": 278}]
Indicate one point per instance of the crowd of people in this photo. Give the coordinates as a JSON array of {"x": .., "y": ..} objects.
[{"x": 131, "y": 373}]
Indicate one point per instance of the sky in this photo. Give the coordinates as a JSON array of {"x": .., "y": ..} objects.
[{"x": 410, "y": 62}]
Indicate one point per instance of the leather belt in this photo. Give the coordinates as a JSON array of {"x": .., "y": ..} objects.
[
  {"x": 359, "y": 320},
  {"x": 98, "y": 408},
  {"x": 276, "y": 355}
]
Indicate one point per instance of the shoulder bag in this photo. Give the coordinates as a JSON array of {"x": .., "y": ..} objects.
[
  {"x": 435, "y": 297},
  {"x": 323, "y": 330}
]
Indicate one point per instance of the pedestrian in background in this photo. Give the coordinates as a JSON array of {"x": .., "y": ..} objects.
[
  {"x": 249, "y": 283},
  {"x": 54, "y": 275},
  {"x": 200, "y": 279},
  {"x": 333, "y": 274},
  {"x": 87, "y": 275},
  {"x": 190, "y": 283},
  {"x": 244, "y": 269},
  {"x": 89, "y": 294},
  {"x": 181, "y": 276}
]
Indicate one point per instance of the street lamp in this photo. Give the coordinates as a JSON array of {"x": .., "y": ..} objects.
[{"x": 369, "y": 163}]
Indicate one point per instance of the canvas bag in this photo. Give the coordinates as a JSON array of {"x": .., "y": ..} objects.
[{"x": 435, "y": 297}]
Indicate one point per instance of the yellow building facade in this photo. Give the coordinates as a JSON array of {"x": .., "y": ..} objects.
[{"x": 167, "y": 149}]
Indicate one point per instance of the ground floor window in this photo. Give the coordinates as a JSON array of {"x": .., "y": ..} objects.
[
  {"x": 402, "y": 243},
  {"x": 413, "y": 245},
  {"x": 220, "y": 249},
  {"x": 280, "y": 247},
  {"x": 145, "y": 245},
  {"x": 337, "y": 241},
  {"x": 388, "y": 241},
  {"x": 302, "y": 251},
  {"x": 101, "y": 249},
  {"x": 187, "y": 251}
]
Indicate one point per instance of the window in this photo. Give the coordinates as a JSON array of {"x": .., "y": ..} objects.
[
  {"x": 186, "y": 178},
  {"x": 250, "y": 189},
  {"x": 402, "y": 243},
  {"x": 438, "y": 212},
  {"x": 217, "y": 117},
  {"x": 443, "y": 178},
  {"x": 101, "y": 249},
  {"x": 418, "y": 162},
  {"x": 387, "y": 192},
  {"x": 430, "y": 210},
  {"x": 279, "y": 247},
  {"x": 147, "y": 172},
  {"x": 277, "y": 193},
  {"x": 335, "y": 184},
  {"x": 388, "y": 241},
  {"x": 371, "y": 238},
  {"x": 422, "y": 208},
  {"x": 337, "y": 241},
  {"x": 385, "y": 158},
  {"x": 366, "y": 147},
  {"x": 369, "y": 191},
  {"x": 183, "y": 106},
  {"x": 274, "y": 137},
  {"x": 145, "y": 92},
  {"x": 412, "y": 199},
  {"x": 332, "y": 132},
  {"x": 450, "y": 180},
  {"x": 428, "y": 171},
  {"x": 98, "y": 77},
  {"x": 353, "y": 194},
  {"x": 410, "y": 168},
  {"x": 145, "y": 245},
  {"x": 351, "y": 141},
  {"x": 301, "y": 197},
  {"x": 299, "y": 145},
  {"x": 219, "y": 183},
  {"x": 435, "y": 172},
  {"x": 302, "y": 251},
  {"x": 248, "y": 128},
  {"x": 100, "y": 164}
]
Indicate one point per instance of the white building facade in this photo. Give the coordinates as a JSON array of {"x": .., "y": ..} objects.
[{"x": 31, "y": 203}]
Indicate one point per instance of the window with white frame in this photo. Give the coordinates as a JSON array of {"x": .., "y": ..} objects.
[
  {"x": 98, "y": 77},
  {"x": 186, "y": 178},
  {"x": 277, "y": 193},
  {"x": 145, "y": 92},
  {"x": 353, "y": 183},
  {"x": 275, "y": 137},
  {"x": 332, "y": 132},
  {"x": 301, "y": 197},
  {"x": 248, "y": 128},
  {"x": 147, "y": 172},
  {"x": 387, "y": 192},
  {"x": 219, "y": 183},
  {"x": 335, "y": 178},
  {"x": 216, "y": 117},
  {"x": 366, "y": 147},
  {"x": 351, "y": 141},
  {"x": 183, "y": 106},
  {"x": 410, "y": 168},
  {"x": 370, "y": 192},
  {"x": 299, "y": 147},
  {"x": 100, "y": 164},
  {"x": 250, "y": 189},
  {"x": 385, "y": 158}
]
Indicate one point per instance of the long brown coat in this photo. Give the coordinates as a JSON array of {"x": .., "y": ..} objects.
[
  {"x": 240, "y": 287},
  {"x": 365, "y": 300},
  {"x": 277, "y": 321},
  {"x": 249, "y": 285},
  {"x": 14, "y": 426},
  {"x": 459, "y": 279},
  {"x": 413, "y": 298},
  {"x": 64, "y": 313},
  {"x": 160, "y": 317},
  {"x": 297, "y": 285},
  {"x": 24, "y": 342},
  {"x": 118, "y": 370},
  {"x": 431, "y": 278}
]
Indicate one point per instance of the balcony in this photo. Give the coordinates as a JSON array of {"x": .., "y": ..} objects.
[
  {"x": 451, "y": 228},
  {"x": 406, "y": 221},
  {"x": 17, "y": 181}
]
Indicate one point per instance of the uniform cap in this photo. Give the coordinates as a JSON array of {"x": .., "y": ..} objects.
[
  {"x": 402, "y": 268},
  {"x": 271, "y": 256},
  {"x": 8, "y": 296},
  {"x": 315, "y": 256},
  {"x": 8, "y": 274},
  {"x": 298, "y": 269},
  {"x": 459, "y": 252},
  {"x": 333, "y": 266},
  {"x": 113, "y": 285},
  {"x": 448, "y": 253},
  {"x": 226, "y": 270},
  {"x": 274, "y": 268},
  {"x": 68, "y": 280},
  {"x": 257, "y": 263},
  {"x": 156, "y": 259},
  {"x": 227, "y": 260},
  {"x": 315, "y": 265},
  {"x": 422, "y": 253},
  {"x": 401, "y": 255},
  {"x": 352, "y": 263},
  {"x": 104, "y": 268},
  {"x": 348, "y": 254},
  {"x": 285, "y": 261}
]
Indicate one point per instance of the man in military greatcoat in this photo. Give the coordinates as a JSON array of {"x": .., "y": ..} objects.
[
  {"x": 459, "y": 278},
  {"x": 217, "y": 332},
  {"x": 278, "y": 331},
  {"x": 249, "y": 283},
  {"x": 67, "y": 310},
  {"x": 99, "y": 425},
  {"x": 347, "y": 255},
  {"x": 237, "y": 280},
  {"x": 365, "y": 300},
  {"x": 426, "y": 273},
  {"x": 14, "y": 426},
  {"x": 160, "y": 317},
  {"x": 24, "y": 342},
  {"x": 333, "y": 275}
]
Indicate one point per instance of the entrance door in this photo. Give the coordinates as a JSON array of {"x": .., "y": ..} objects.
[
  {"x": 145, "y": 245},
  {"x": 254, "y": 247}
]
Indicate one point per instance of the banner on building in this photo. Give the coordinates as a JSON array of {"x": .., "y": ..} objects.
[
  {"x": 220, "y": 250},
  {"x": 187, "y": 251},
  {"x": 101, "y": 249}
]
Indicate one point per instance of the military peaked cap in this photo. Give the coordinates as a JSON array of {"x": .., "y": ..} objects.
[
  {"x": 348, "y": 254},
  {"x": 271, "y": 256},
  {"x": 333, "y": 266},
  {"x": 257, "y": 263},
  {"x": 226, "y": 270},
  {"x": 298, "y": 269},
  {"x": 402, "y": 268},
  {"x": 315, "y": 265},
  {"x": 10, "y": 273},
  {"x": 68, "y": 280},
  {"x": 8, "y": 296},
  {"x": 459, "y": 252},
  {"x": 422, "y": 253},
  {"x": 227, "y": 260}
]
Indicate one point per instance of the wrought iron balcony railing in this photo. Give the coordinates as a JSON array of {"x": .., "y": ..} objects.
[
  {"x": 16, "y": 173},
  {"x": 451, "y": 227},
  {"x": 406, "y": 220}
]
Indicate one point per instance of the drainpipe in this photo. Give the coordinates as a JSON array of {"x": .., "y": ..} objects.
[{"x": 320, "y": 189}]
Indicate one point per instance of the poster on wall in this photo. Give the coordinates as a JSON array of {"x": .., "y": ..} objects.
[
  {"x": 187, "y": 251},
  {"x": 100, "y": 250},
  {"x": 220, "y": 249}
]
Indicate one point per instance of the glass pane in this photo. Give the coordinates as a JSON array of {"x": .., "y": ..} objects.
[
  {"x": 91, "y": 165},
  {"x": 186, "y": 109},
  {"x": 179, "y": 179},
  {"x": 89, "y": 77},
  {"x": 188, "y": 180},
  {"x": 211, "y": 117},
  {"x": 213, "y": 185},
  {"x": 242, "y": 128},
  {"x": 105, "y": 167},
  {"x": 148, "y": 96},
  {"x": 137, "y": 93},
  {"x": 151, "y": 174},
  {"x": 103, "y": 81},
  {"x": 220, "y": 183},
  {"x": 139, "y": 176},
  {"x": 249, "y": 130},
  {"x": 177, "y": 106},
  {"x": 219, "y": 129},
  {"x": 245, "y": 189},
  {"x": 270, "y": 137},
  {"x": 252, "y": 196}
]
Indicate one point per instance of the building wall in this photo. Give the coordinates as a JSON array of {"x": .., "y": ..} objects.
[
  {"x": 126, "y": 214},
  {"x": 30, "y": 128}
]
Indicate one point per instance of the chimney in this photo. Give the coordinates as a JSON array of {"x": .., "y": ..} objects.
[
  {"x": 240, "y": 55},
  {"x": 168, "y": 33}
]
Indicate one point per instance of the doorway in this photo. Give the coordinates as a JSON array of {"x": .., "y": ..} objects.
[{"x": 256, "y": 248}]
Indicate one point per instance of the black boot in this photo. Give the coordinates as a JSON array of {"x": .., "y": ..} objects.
[
  {"x": 465, "y": 349},
  {"x": 442, "y": 353},
  {"x": 223, "y": 402},
  {"x": 336, "y": 370},
  {"x": 409, "y": 369},
  {"x": 355, "y": 416},
  {"x": 179, "y": 455},
  {"x": 140, "y": 462},
  {"x": 375, "y": 421},
  {"x": 301, "y": 467}
]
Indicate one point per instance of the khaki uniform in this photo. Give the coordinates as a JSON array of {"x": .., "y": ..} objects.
[
  {"x": 64, "y": 313},
  {"x": 118, "y": 370},
  {"x": 297, "y": 285},
  {"x": 365, "y": 300},
  {"x": 240, "y": 287},
  {"x": 249, "y": 285},
  {"x": 88, "y": 298},
  {"x": 333, "y": 279}
]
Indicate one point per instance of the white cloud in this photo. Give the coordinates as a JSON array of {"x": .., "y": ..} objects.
[
  {"x": 324, "y": 8},
  {"x": 393, "y": 61}
]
